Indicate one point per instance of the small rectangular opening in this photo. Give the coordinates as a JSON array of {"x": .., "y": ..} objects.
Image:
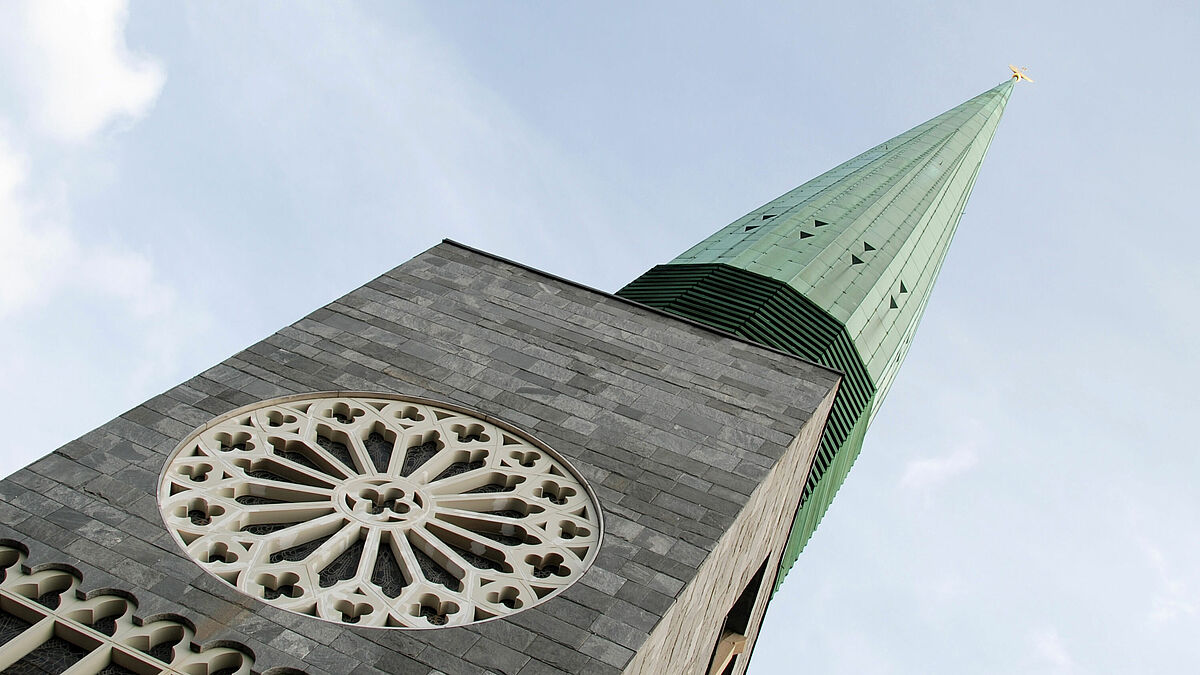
[{"x": 732, "y": 640}]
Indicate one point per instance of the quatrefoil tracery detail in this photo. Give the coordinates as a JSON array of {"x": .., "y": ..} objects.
[{"x": 379, "y": 511}]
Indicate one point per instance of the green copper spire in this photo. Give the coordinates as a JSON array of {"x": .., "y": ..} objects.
[{"x": 839, "y": 270}]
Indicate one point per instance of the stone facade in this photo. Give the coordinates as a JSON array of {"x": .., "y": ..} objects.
[{"x": 694, "y": 442}]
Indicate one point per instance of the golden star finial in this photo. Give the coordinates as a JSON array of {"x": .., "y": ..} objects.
[{"x": 1019, "y": 73}]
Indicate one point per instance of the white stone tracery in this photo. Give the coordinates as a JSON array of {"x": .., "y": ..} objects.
[
  {"x": 47, "y": 625},
  {"x": 379, "y": 511}
]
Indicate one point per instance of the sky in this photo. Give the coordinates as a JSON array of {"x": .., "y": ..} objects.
[{"x": 179, "y": 180}]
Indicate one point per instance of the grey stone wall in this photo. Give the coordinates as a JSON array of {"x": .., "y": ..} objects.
[{"x": 674, "y": 425}]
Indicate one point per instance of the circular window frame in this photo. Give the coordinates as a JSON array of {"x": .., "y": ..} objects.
[{"x": 457, "y": 617}]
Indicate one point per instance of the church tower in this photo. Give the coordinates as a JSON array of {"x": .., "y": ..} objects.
[{"x": 470, "y": 466}]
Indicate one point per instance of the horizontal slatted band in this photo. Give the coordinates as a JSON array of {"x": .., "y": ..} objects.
[{"x": 772, "y": 313}]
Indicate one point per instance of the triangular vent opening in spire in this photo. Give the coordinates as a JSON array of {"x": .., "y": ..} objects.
[
  {"x": 867, "y": 247},
  {"x": 769, "y": 215},
  {"x": 806, "y": 235},
  {"x": 751, "y": 227},
  {"x": 894, "y": 305},
  {"x": 819, "y": 223},
  {"x": 855, "y": 260},
  {"x": 902, "y": 288}
]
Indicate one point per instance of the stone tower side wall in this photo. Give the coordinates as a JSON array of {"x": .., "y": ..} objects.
[{"x": 683, "y": 641}]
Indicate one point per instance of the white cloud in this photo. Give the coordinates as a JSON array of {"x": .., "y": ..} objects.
[
  {"x": 39, "y": 257},
  {"x": 66, "y": 76},
  {"x": 929, "y": 472},
  {"x": 70, "y": 61},
  {"x": 1172, "y": 600},
  {"x": 1049, "y": 650},
  {"x": 54, "y": 283},
  {"x": 28, "y": 257}
]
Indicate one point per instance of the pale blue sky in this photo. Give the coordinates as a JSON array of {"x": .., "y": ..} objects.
[{"x": 179, "y": 181}]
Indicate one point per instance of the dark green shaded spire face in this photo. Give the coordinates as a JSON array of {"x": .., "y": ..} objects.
[{"x": 839, "y": 270}]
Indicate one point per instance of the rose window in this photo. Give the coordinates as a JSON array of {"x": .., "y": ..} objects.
[{"x": 379, "y": 511}]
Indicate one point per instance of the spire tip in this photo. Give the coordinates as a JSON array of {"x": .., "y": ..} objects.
[{"x": 1019, "y": 73}]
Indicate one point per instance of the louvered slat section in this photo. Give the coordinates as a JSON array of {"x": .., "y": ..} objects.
[{"x": 771, "y": 313}]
